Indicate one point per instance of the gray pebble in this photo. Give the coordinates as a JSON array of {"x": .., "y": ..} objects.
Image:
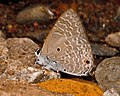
[
  {"x": 107, "y": 74},
  {"x": 117, "y": 17},
  {"x": 36, "y": 13},
  {"x": 113, "y": 39},
  {"x": 111, "y": 92},
  {"x": 103, "y": 50}
]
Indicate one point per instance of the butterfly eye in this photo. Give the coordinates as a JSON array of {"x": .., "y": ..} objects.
[
  {"x": 38, "y": 51},
  {"x": 58, "y": 49}
]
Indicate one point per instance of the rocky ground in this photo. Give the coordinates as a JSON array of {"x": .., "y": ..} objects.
[{"x": 25, "y": 24}]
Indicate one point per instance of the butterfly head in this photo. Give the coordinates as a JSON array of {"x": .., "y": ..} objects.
[
  {"x": 39, "y": 59},
  {"x": 45, "y": 61},
  {"x": 38, "y": 52}
]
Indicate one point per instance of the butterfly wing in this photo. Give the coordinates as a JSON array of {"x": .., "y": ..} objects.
[{"x": 67, "y": 44}]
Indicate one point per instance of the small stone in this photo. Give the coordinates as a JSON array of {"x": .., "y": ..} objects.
[
  {"x": 117, "y": 17},
  {"x": 3, "y": 50},
  {"x": 10, "y": 72},
  {"x": 107, "y": 74},
  {"x": 111, "y": 92},
  {"x": 3, "y": 55},
  {"x": 18, "y": 71},
  {"x": 34, "y": 76},
  {"x": 35, "y": 24},
  {"x": 9, "y": 27},
  {"x": 103, "y": 50},
  {"x": 32, "y": 14},
  {"x": 44, "y": 76},
  {"x": 15, "y": 88},
  {"x": 22, "y": 49},
  {"x": 113, "y": 39},
  {"x": 2, "y": 35}
]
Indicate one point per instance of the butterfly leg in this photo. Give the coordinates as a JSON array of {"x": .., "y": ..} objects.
[{"x": 58, "y": 74}]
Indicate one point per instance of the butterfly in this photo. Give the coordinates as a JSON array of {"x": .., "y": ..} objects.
[{"x": 66, "y": 48}]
